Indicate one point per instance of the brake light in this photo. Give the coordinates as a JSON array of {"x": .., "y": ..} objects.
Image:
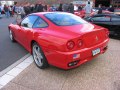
[
  {"x": 80, "y": 43},
  {"x": 70, "y": 45}
]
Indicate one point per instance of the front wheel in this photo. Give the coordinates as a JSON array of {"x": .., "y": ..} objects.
[{"x": 39, "y": 57}]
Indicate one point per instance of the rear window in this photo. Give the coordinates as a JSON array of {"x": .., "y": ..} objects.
[{"x": 64, "y": 19}]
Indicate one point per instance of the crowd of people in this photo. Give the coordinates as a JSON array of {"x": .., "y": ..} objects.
[
  {"x": 99, "y": 10},
  {"x": 24, "y": 9},
  {"x": 7, "y": 10}
]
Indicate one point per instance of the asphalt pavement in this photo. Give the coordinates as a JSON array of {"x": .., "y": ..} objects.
[{"x": 9, "y": 52}]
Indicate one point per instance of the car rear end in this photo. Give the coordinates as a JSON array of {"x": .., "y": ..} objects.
[
  {"x": 81, "y": 49},
  {"x": 93, "y": 44}
]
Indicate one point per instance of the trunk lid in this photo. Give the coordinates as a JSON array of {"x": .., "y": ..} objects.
[
  {"x": 93, "y": 38},
  {"x": 89, "y": 33}
]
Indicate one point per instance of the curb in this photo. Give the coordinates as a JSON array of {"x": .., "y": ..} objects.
[{"x": 14, "y": 70}]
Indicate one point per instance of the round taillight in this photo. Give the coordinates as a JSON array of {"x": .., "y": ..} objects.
[
  {"x": 70, "y": 45},
  {"x": 80, "y": 43}
]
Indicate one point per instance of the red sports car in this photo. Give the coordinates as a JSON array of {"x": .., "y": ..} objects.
[{"x": 60, "y": 39}]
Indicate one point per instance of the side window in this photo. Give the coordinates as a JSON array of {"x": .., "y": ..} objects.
[
  {"x": 29, "y": 21},
  {"x": 101, "y": 19},
  {"x": 40, "y": 23}
]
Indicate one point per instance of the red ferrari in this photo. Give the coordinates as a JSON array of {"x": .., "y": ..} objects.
[{"x": 60, "y": 39}]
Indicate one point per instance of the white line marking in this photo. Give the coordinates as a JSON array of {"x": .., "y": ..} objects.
[
  {"x": 25, "y": 63},
  {"x": 13, "y": 65},
  {"x": 11, "y": 72},
  {"x": 14, "y": 72},
  {"x": 5, "y": 79}
]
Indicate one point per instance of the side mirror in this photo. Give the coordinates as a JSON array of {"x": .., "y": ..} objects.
[{"x": 25, "y": 25}]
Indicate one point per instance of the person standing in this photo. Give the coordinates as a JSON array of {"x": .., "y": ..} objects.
[
  {"x": 36, "y": 7},
  {"x": 65, "y": 7},
  {"x": 10, "y": 10},
  {"x": 22, "y": 11},
  {"x": 111, "y": 8},
  {"x": 60, "y": 7},
  {"x": 100, "y": 9},
  {"x": 32, "y": 8},
  {"x": 14, "y": 9},
  {"x": 6, "y": 9},
  {"x": 0, "y": 10},
  {"x": 71, "y": 8},
  {"x": 27, "y": 9},
  {"x": 44, "y": 7},
  {"x": 79, "y": 8},
  {"x": 39, "y": 7},
  {"x": 88, "y": 9},
  {"x": 18, "y": 12}
]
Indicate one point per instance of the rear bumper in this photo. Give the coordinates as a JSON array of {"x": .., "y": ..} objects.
[{"x": 62, "y": 59}]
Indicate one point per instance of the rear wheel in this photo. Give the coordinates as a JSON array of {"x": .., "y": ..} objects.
[
  {"x": 39, "y": 57},
  {"x": 11, "y": 36}
]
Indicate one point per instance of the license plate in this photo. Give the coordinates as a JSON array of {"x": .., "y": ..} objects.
[{"x": 96, "y": 51}]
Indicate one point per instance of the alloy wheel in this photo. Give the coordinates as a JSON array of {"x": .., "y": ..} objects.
[{"x": 37, "y": 55}]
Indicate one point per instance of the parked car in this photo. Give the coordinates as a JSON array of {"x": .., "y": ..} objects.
[
  {"x": 110, "y": 21},
  {"x": 117, "y": 13},
  {"x": 94, "y": 12},
  {"x": 59, "y": 41},
  {"x": 80, "y": 13}
]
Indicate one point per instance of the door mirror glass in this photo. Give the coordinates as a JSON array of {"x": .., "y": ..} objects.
[{"x": 25, "y": 25}]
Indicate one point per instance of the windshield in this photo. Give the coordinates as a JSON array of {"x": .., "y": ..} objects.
[{"x": 64, "y": 19}]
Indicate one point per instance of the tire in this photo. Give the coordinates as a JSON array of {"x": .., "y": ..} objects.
[
  {"x": 11, "y": 36},
  {"x": 39, "y": 57}
]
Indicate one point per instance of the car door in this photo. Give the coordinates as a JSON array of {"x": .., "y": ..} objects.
[
  {"x": 102, "y": 20},
  {"x": 116, "y": 25},
  {"x": 116, "y": 20},
  {"x": 25, "y": 31}
]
